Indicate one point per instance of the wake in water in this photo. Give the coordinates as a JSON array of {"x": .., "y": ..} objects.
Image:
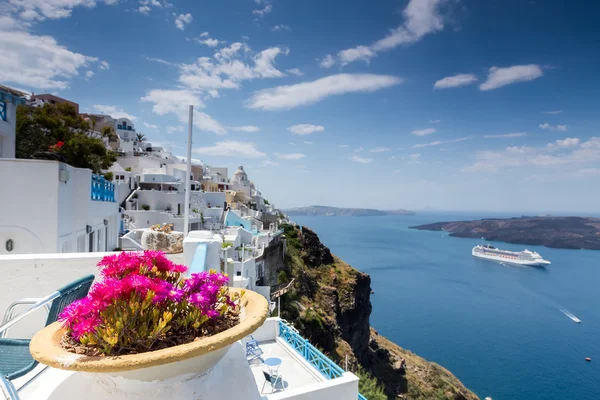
[{"x": 570, "y": 315}]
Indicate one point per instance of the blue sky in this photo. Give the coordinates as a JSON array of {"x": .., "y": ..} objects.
[{"x": 444, "y": 104}]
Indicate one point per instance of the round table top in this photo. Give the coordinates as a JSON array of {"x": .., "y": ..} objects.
[{"x": 273, "y": 361}]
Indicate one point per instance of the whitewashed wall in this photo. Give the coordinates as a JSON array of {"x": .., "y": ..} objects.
[
  {"x": 41, "y": 214},
  {"x": 215, "y": 199}
]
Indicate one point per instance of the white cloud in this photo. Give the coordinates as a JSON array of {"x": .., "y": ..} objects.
[
  {"x": 362, "y": 53},
  {"x": 245, "y": 128},
  {"x": 178, "y": 102},
  {"x": 380, "y": 149},
  {"x": 38, "y": 61},
  {"x": 307, "y": 142},
  {"x": 30, "y": 11},
  {"x": 327, "y": 62},
  {"x": 175, "y": 129},
  {"x": 210, "y": 42},
  {"x": 294, "y": 71},
  {"x": 435, "y": 121},
  {"x": 225, "y": 71},
  {"x": 305, "y": 129},
  {"x": 564, "y": 153},
  {"x": 421, "y": 17},
  {"x": 261, "y": 13},
  {"x": 160, "y": 61},
  {"x": 89, "y": 74},
  {"x": 104, "y": 65},
  {"x": 292, "y": 144},
  {"x": 146, "y": 5},
  {"x": 281, "y": 27},
  {"x": 439, "y": 142},
  {"x": 182, "y": 19},
  {"x": 414, "y": 156},
  {"x": 263, "y": 63},
  {"x": 173, "y": 101},
  {"x": 564, "y": 143},
  {"x": 455, "y": 81},
  {"x": 424, "y": 132},
  {"x": 506, "y": 135},
  {"x": 498, "y": 77},
  {"x": 552, "y": 112},
  {"x": 291, "y": 96},
  {"x": 113, "y": 111},
  {"x": 343, "y": 145},
  {"x": 231, "y": 148},
  {"x": 150, "y": 126},
  {"x": 553, "y": 128},
  {"x": 269, "y": 163},
  {"x": 361, "y": 160},
  {"x": 208, "y": 123},
  {"x": 290, "y": 156}
]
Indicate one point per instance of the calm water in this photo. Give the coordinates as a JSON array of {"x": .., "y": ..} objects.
[{"x": 498, "y": 328}]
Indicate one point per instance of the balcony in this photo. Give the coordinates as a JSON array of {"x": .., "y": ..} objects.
[
  {"x": 102, "y": 190},
  {"x": 307, "y": 373}
]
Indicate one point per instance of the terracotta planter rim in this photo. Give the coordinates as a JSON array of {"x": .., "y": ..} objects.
[{"x": 45, "y": 346}]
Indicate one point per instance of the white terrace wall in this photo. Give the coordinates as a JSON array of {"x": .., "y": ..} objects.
[
  {"x": 42, "y": 214},
  {"x": 29, "y": 204}
]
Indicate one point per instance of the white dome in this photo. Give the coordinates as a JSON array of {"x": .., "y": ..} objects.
[{"x": 240, "y": 176}]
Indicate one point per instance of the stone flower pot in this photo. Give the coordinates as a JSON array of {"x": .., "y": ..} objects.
[{"x": 170, "y": 372}]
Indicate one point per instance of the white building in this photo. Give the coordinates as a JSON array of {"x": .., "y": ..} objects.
[
  {"x": 240, "y": 182},
  {"x": 9, "y": 100},
  {"x": 52, "y": 207}
]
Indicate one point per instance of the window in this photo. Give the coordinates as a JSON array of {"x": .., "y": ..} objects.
[{"x": 3, "y": 110}]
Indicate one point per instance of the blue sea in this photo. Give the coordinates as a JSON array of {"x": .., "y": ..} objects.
[{"x": 498, "y": 328}]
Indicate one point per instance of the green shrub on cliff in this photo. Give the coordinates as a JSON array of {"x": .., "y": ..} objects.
[{"x": 369, "y": 386}]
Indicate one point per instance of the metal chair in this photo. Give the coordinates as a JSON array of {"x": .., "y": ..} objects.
[
  {"x": 15, "y": 359},
  {"x": 253, "y": 351},
  {"x": 272, "y": 380}
]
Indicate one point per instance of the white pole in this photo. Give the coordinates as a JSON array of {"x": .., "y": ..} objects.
[{"x": 186, "y": 212}]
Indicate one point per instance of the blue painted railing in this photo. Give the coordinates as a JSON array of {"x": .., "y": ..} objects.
[
  {"x": 3, "y": 110},
  {"x": 310, "y": 353},
  {"x": 102, "y": 190}
]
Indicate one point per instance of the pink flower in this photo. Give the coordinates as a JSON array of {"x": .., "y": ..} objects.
[{"x": 198, "y": 300}]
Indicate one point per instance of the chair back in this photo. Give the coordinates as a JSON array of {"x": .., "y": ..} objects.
[
  {"x": 73, "y": 291},
  {"x": 267, "y": 376}
]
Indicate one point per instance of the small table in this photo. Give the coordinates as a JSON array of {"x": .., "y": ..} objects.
[{"x": 273, "y": 364}]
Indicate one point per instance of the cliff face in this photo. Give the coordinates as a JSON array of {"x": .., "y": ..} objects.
[{"x": 331, "y": 305}]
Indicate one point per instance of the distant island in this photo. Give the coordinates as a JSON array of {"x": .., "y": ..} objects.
[
  {"x": 322, "y": 211},
  {"x": 555, "y": 232}
]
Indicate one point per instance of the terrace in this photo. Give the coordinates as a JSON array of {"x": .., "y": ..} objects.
[{"x": 307, "y": 373}]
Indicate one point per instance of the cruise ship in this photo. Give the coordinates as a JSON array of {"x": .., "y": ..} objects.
[{"x": 526, "y": 257}]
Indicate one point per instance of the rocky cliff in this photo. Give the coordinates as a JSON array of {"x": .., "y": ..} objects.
[{"x": 330, "y": 304}]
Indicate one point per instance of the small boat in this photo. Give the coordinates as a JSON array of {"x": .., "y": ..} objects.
[{"x": 588, "y": 359}]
